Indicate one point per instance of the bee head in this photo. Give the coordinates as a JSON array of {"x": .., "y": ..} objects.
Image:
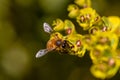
[{"x": 55, "y": 41}]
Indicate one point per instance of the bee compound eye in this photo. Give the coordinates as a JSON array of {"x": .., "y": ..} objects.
[
  {"x": 65, "y": 44},
  {"x": 58, "y": 42}
]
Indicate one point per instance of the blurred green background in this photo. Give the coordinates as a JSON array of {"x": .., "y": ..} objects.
[{"x": 22, "y": 35}]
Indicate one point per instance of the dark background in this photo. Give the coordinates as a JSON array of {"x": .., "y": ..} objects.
[{"x": 22, "y": 35}]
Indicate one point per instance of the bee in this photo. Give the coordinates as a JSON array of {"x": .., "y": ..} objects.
[{"x": 56, "y": 42}]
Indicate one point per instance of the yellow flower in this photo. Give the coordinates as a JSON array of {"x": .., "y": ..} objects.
[
  {"x": 107, "y": 38},
  {"x": 94, "y": 29},
  {"x": 114, "y": 22},
  {"x": 83, "y": 3},
  {"x": 89, "y": 41},
  {"x": 69, "y": 27},
  {"x": 105, "y": 62},
  {"x": 58, "y": 25},
  {"x": 78, "y": 47},
  {"x": 102, "y": 71},
  {"x": 73, "y": 11},
  {"x": 87, "y": 18}
]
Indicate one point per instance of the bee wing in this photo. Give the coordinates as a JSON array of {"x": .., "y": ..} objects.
[
  {"x": 47, "y": 27},
  {"x": 41, "y": 53}
]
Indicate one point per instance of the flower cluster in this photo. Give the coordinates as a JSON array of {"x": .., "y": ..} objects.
[{"x": 101, "y": 40}]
